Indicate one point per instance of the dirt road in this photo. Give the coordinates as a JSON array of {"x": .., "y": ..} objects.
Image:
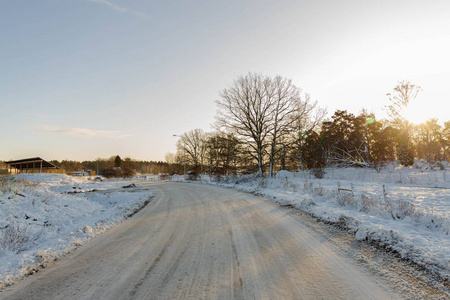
[{"x": 204, "y": 242}]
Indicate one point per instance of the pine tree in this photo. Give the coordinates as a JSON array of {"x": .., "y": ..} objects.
[{"x": 117, "y": 162}]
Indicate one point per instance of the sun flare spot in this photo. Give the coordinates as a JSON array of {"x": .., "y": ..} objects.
[{"x": 418, "y": 112}]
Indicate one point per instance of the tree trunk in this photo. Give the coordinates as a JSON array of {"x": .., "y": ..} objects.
[
  {"x": 302, "y": 165},
  {"x": 272, "y": 155},
  {"x": 260, "y": 167}
]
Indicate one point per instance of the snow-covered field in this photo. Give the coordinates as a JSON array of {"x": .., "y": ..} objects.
[
  {"x": 45, "y": 216},
  {"x": 403, "y": 209}
]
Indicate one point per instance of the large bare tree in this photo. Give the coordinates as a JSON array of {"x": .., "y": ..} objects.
[
  {"x": 245, "y": 108},
  {"x": 262, "y": 112}
]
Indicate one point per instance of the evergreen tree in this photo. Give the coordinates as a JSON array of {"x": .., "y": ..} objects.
[{"x": 117, "y": 162}]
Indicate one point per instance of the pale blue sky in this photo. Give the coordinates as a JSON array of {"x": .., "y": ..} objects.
[{"x": 83, "y": 79}]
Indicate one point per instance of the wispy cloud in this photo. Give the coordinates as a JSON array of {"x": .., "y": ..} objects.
[
  {"x": 86, "y": 132},
  {"x": 119, "y": 8}
]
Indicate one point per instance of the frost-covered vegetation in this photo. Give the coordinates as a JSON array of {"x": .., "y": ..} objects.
[
  {"x": 45, "y": 216},
  {"x": 406, "y": 210}
]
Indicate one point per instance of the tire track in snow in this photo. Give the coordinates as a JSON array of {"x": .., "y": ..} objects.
[
  {"x": 238, "y": 283},
  {"x": 153, "y": 265}
]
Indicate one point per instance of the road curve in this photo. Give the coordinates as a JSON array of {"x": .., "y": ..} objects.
[{"x": 204, "y": 242}]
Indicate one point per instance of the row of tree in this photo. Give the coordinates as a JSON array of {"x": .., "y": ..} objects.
[
  {"x": 265, "y": 124},
  {"x": 115, "y": 166},
  {"x": 259, "y": 119},
  {"x": 361, "y": 140}
]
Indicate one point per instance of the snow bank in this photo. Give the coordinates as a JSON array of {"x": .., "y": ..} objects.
[
  {"x": 178, "y": 178},
  {"x": 45, "y": 216},
  {"x": 284, "y": 174}
]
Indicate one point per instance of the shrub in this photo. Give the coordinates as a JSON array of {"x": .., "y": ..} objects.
[
  {"x": 432, "y": 222},
  {"x": 319, "y": 173},
  {"x": 262, "y": 183},
  {"x": 347, "y": 198},
  {"x": 6, "y": 183},
  {"x": 13, "y": 237},
  {"x": 216, "y": 178},
  {"x": 368, "y": 203},
  {"x": 401, "y": 208},
  {"x": 318, "y": 191},
  {"x": 245, "y": 178}
]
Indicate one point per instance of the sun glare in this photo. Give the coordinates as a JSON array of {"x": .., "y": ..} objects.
[{"x": 418, "y": 112}]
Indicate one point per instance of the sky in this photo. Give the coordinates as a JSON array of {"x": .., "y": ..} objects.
[{"x": 88, "y": 79}]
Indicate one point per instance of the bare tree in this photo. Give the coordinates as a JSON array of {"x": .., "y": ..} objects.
[
  {"x": 401, "y": 96},
  {"x": 308, "y": 118},
  {"x": 263, "y": 112},
  {"x": 192, "y": 146},
  {"x": 245, "y": 108},
  {"x": 222, "y": 152},
  {"x": 285, "y": 98},
  {"x": 169, "y": 158}
]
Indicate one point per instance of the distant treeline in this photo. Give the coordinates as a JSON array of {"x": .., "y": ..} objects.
[{"x": 117, "y": 167}]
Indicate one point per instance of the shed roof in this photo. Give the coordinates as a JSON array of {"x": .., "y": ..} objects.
[{"x": 20, "y": 162}]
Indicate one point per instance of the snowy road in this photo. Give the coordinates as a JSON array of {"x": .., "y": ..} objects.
[{"x": 204, "y": 242}]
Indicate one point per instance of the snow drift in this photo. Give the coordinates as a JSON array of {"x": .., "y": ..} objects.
[{"x": 45, "y": 216}]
